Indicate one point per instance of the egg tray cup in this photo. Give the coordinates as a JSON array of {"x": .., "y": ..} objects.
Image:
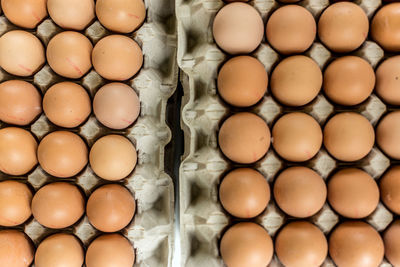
[
  {"x": 202, "y": 218},
  {"x": 151, "y": 230}
]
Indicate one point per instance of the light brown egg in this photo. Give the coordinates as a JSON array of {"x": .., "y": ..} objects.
[
  {"x": 353, "y": 193},
  {"x": 388, "y": 80},
  {"x": 343, "y": 27},
  {"x": 62, "y": 154},
  {"x": 296, "y": 81},
  {"x": 242, "y": 81},
  {"x": 246, "y": 244},
  {"x": 291, "y": 29},
  {"x": 390, "y": 189},
  {"x": 392, "y": 243},
  {"x": 299, "y": 191},
  {"x": 121, "y": 15},
  {"x": 244, "y": 137},
  {"x": 16, "y": 249},
  {"x": 238, "y": 28},
  {"x": 116, "y": 105},
  {"x": 15, "y": 203},
  {"x": 58, "y": 205},
  {"x": 20, "y": 102},
  {"x": 288, "y": 1},
  {"x": 59, "y": 250},
  {"x": 71, "y": 14},
  {"x": 17, "y": 151},
  {"x": 21, "y": 53},
  {"x": 110, "y": 250},
  {"x": 348, "y": 136},
  {"x": 244, "y": 193},
  {"x": 297, "y": 137},
  {"x": 110, "y": 208},
  {"x": 67, "y": 104},
  {"x": 24, "y": 13},
  {"x": 117, "y": 57},
  {"x": 385, "y": 27},
  {"x": 388, "y": 134},
  {"x": 349, "y": 80},
  {"x": 356, "y": 243},
  {"x": 301, "y": 244}
]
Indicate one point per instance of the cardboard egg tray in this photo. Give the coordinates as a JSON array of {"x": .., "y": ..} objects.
[
  {"x": 202, "y": 218},
  {"x": 151, "y": 230}
]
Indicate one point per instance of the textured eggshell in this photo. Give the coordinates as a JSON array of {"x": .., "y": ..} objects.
[
  {"x": 390, "y": 189},
  {"x": 15, "y": 203},
  {"x": 24, "y": 13},
  {"x": 388, "y": 81},
  {"x": 244, "y": 137},
  {"x": 71, "y": 14},
  {"x": 16, "y": 249},
  {"x": 20, "y": 102},
  {"x": 385, "y": 27},
  {"x": 388, "y": 134},
  {"x": 392, "y": 243}
]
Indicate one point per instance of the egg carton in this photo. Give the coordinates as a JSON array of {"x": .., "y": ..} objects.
[
  {"x": 202, "y": 218},
  {"x": 151, "y": 230}
]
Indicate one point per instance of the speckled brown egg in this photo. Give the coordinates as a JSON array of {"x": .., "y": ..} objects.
[
  {"x": 388, "y": 134},
  {"x": 390, "y": 189},
  {"x": 385, "y": 27},
  {"x": 71, "y": 14},
  {"x": 24, "y": 13},
  {"x": 16, "y": 249},
  {"x": 388, "y": 80},
  {"x": 392, "y": 243}
]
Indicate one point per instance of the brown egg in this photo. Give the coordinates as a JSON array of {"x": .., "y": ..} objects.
[
  {"x": 117, "y": 57},
  {"x": 15, "y": 203},
  {"x": 385, "y": 27},
  {"x": 20, "y": 102},
  {"x": 67, "y": 104},
  {"x": 242, "y": 81},
  {"x": 21, "y": 53},
  {"x": 356, "y": 243},
  {"x": 291, "y": 29},
  {"x": 116, "y": 105},
  {"x": 390, "y": 189},
  {"x": 296, "y": 81},
  {"x": 353, "y": 193},
  {"x": 388, "y": 80},
  {"x": 244, "y": 137},
  {"x": 58, "y": 205},
  {"x": 121, "y": 15},
  {"x": 301, "y": 244},
  {"x": 110, "y": 250},
  {"x": 296, "y": 137},
  {"x": 113, "y": 157},
  {"x": 244, "y": 193},
  {"x": 24, "y": 13},
  {"x": 300, "y": 192},
  {"x": 348, "y": 136},
  {"x": 388, "y": 134},
  {"x": 392, "y": 243},
  {"x": 349, "y": 80},
  {"x": 110, "y": 208},
  {"x": 62, "y": 154},
  {"x": 238, "y": 28},
  {"x": 59, "y": 250},
  {"x": 16, "y": 249},
  {"x": 246, "y": 244},
  {"x": 17, "y": 151},
  {"x": 343, "y": 27},
  {"x": 71, "y": 14}
]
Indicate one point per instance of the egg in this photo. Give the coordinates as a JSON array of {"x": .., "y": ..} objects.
[
  {"x": 356, "y": 243},
  {"x": 291, "y": 29},
  {"x": 123, "y": 16},
  {"x": 117, "y": 57},
  {"x": 59, "y": 250},
  {"x": 21, "y": 53},
  {"x": 388, "y": 134},
  {"x": 16, "y": 249},
  {"x": 388, "y": 80},
  {"x": 62, "y": 154},
  {"x": 390, "y": 189},
  {"x": 343, "y": 27},
  {"x": 244, "y": 193},
  {"x": 296, "y": 81},
  {"x": 24, "y": 13},
  {"x": 288, "y": 1},
  {"x": 244, "y": 138},
  {"x": 246, "y": 244},
  {"x": 116, "y": 105},
  {"x": 296, "y": 137},
  {"x": 301, "y": 244},
  {"x": 17, "y": 151},
  {"x": 299, "y": 191},
  {"x": 15, "y": 203},
  {"x": 349, "y": 80},
  {"x": 385, "y": 27},
  {"x": 20, "y": 102},
  {"x": 242, "y": 81},
  {"x": 392, "y": 243},
  {"x": 58, "y": 205},
  {"x": 67, "y": 104},
  {"x": 71, "y": 14},
  {"x": 110, "y": 208},
  {"x": 348, "y": 136},
  {"x": 238, "y": 28},
  {"x": 110, "y": 250}
]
